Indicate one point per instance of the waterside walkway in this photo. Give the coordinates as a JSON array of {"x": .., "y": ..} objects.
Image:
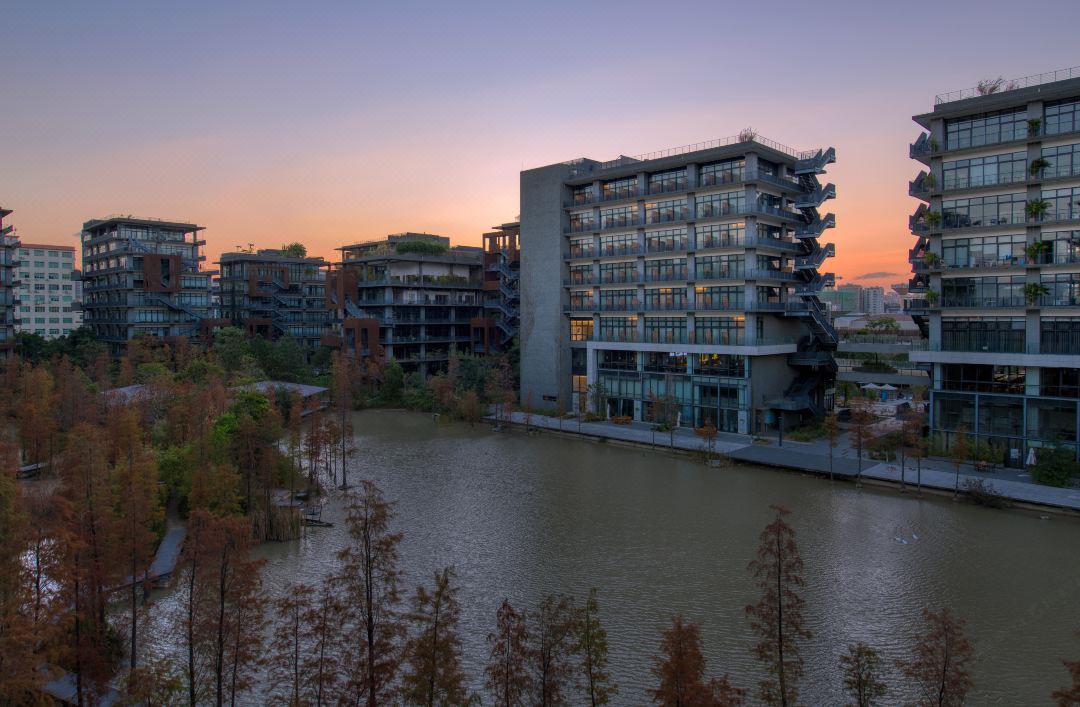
[{"x": 814, "y": 457}]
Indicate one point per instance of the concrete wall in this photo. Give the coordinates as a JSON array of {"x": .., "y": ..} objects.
[{"x": 545, "y": 355}]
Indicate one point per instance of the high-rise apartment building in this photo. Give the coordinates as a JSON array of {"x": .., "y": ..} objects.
[
  {"x": 9, "y": 281},
  {"x": 272, "y": 293},
  {"x": 502, "y": 296},
  {"x": 873, "y": 300},
  {"x": 997, "y": 261},
  {"x": 411, "y": 299},
  {"x": 49, "y": 306},
  {"x": 687, "y": 278},
  {"x": 144, "y": 276}
]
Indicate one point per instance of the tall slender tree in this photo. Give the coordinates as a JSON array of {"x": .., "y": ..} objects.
[
  {"x": 861, "y": 668},
  {"x": 777, "y": 616},
  {"x": 433, "y": 653},
  {"x": 940, "y": 664},
  {"x": 507, "y": 672},
  {"x": 592, "y": 648},
  {"x": 552, "y": 627},
  {"x": 288, "y": 646},
  {"x": 370, "y": 576},
  {"x": 680, "y": 672},
  {"x": 342, "y": 371}
]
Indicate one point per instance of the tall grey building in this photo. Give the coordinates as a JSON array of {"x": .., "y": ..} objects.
[
  {"x": 143, "y": 276},
  {"x": 9, "y": 281},
  {"x": 686, "y": 278},
  {"x": 996, "y": 263},
  {"x": 49, "y": 305}
]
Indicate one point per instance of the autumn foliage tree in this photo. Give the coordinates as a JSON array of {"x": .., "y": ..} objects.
[
  {"x": 592, "y": 647},
  {"x": 433, "y": 652},
  {"x": 1069, "y": 696},
  {"x": 369, "y": 577},
  {"x": 940, "y": 664},
  {"x": 861, "y": 669},
  {"x": 551, "y": 642},
  {"x": 679, "y": 669},
  {"x": 777, "y": 615},
  {"x": 508, "y": 678}
]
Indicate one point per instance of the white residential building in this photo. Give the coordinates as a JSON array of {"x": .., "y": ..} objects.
[{"x": 48, "y": 300}]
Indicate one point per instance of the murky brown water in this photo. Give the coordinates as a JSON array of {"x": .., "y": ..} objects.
[{"x": 519, "y": 516}]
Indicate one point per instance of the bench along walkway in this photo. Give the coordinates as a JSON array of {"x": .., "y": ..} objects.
[{"x": 813, "y": 457}]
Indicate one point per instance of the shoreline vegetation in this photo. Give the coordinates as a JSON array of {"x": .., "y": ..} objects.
[{"x": 191, "y": 444}]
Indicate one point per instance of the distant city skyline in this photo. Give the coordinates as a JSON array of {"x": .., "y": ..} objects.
[{"x": 269, "y": 125}]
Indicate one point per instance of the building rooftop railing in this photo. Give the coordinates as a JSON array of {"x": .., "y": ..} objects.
[
  {"x": 1011, "y": 85},
  {"x": 707, "y": 145}
]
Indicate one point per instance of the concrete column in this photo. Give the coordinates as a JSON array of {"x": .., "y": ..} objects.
[
  {"x": 1031, "y": 333},
  {"x": 752, "y": 163},
  {"x": 691, "y": 237},
  {"x": 691, "y": 176}
]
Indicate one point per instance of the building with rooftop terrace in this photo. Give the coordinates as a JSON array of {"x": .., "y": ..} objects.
[
  {"x": 411, "y": 299},
  {"x": 272, "y": 293},
  {"x": 688, "y": 277},
  {"x": 144, "y": 276},
  {"x": 996, "y": 261},
  {"x": 9, "y": 283}
]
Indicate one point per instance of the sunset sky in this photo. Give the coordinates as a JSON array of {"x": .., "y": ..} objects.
[{"x": 333, "y": 125}]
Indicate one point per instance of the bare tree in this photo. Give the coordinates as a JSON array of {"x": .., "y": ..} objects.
[
  {"x": 941, "y": 661},
  {"x": 862, "y": 419},
  {"x": 777, "y": 616},
  {"x": 507, "y": 672},
  {"x": 551, "y": 634},
  {"x": 861, "y": 667}
]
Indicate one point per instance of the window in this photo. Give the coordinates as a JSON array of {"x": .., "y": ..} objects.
[
  {"x": 1006, "y": 291},
  {"x": 616, "y": 360},
  {"x": 665, "y": 330},
  {"x": 620, "y": 188},
  {"x": 722, "y": 204},
  {"x": 671, "y": 180},
  {"x": 718, "y": 298},
  {"x": 665, "y": 270},
  {"x": 1064, "y": 247},
  {"x": 1059, "y": 335},
  {"x": 1064, "y": 203},
  {"x": 1052, "y": 420},
  {"x": 581, "y": 329},
  {"x": 618, "y": 328},
  {"x": 986, "y": 129},
  {"x": 1064, "y": 160},
  {"x": 987, "y": 251},
  {"x": 1060, "y": 382},
  {"x": 982, "y": 379},
  {"x": 618, "y": 300},
  {"x": 721, "y": 365},
  {"x": 665, "y": 298},
  {"x": 618, "y": 272},
  {"x": 724, "y": 172},
  {"x": 581, "y": 222},
  {"x": 581, "y": 195},
  {"x": 581, "y": 248},
  {"x": 662, "y": 211},
  {"x": 667, "y": 240},
  {"x": 580, "y": 274},
  {"x": 622, "y": 244},
  {"x": 581, "y": 300},
  {"x": 664, "y": 362},
  {"x": 715, "y": 267},
  {"x": 1063, "y": 289},
  {"x": 985, "y": 171},
  {"x": 998, "y": 334},
  {"x": 983, "y": 211},
  {"x": 722, "y": 331},
  {"x": 618, "y": 217},
  {"x": 1062, "y": 116},
  {"x": 719, "y": 235}
]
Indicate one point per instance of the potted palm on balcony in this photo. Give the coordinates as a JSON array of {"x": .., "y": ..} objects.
[
  {"x": 932, "y": 260},
  {"x": 1035, "y": 251},
  {"x": 932, "y": 298},
  {"x": 1033, "y": 126},
  {"x": 1036, "y": 209},
  {"x": 1038, "y": 165},
  {"x": 929, "y": 181},
  {"x": 933, "y": 219},
  {"x": 1034, "y": 291}
]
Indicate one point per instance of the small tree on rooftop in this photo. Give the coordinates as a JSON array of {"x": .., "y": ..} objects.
[{"x": 295, "y": 250}]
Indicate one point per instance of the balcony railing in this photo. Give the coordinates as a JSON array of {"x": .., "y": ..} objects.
[
  {"x": 1060, "y": 343},
  {"x": 981, "y": 302},
  {"x": 653, "y": 246},
  {"x": 973, "y": 342},
  {"x": 1025, "y": 82},
  {"x": 1060, "y": 300},
  {"x": 665, "y": 276}
]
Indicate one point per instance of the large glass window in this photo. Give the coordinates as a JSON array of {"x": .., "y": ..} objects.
[
  {"x": 620, "y": 188},
  {"x": 983, "y": 211},
  {"x": 662, "y": 211},
  {"x": 1062, "y": 116},
  {"x": 1064, "y": 160},
  {"x": 666, "y": 240},
  {"x": 616, "y": 360},
  {"x": 671, "y": 180},
  {"x": 1005, "y": 291},
  {"x": 665, "y": 298},
  {"x": 618, "y": 300},
  {"x": 1059, "y": 382},
  {"x": 722, "y": 204},
  {"x": 727, "y": 365},
  {"x": 618, "y": 272},
  {"x": 1059, "y": 335},
  {"x": 1052, "y": 420},
  {"x": 581, "y": 329},
  {"x": 718, "y": 298},
  {"x": 581, "y": 195},
  {"x": 618, "y": 328},
  {"x": 581, "y": 274},
  {"x": 715, "y": 267},
  {"x": 1064, "y": 203},
  {"x": 987, "y": 251},
  {"x": 724, "y": 172},
  {"x": 998, "y": 334},
  {"x": 1063, "y": 289},
  {"x": 665, "y": 330},
  {"x": 982, "y": 378},
  {"x": 721, "y": 235},
  {"x": 721, "y": 331},
  {"x": 665, "y": 270},
  {"x": 581, "y": 248},
  {"x": 618, "y": 217},
  {"x": 986, "y": 129},
  {"x": 581, "y": 300},
  {"x": 620, "y": 244},
  {"x": 1064, "y": 247},
  {"x": 985, "y": 171},
  {"x": 664, "y": 362},
  {"x": 581, "y": 222}
]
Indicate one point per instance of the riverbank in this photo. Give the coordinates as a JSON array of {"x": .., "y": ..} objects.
[{"x": 812, "y": 457}]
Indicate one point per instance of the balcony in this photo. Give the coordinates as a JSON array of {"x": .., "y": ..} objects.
[
  {"x": 581, "y": 280},
  {"x": 816, "y": 228},
  {"x": 662, "y": 247},
  {"x": 578, "y": 254},
  {"x": 981, "y": 302},
  {"x": 1060, "y": 300},
  {"x": 677, "y": 276},
  {"x": 606, "y": 251},
  {"x": 708, "y": 273}
]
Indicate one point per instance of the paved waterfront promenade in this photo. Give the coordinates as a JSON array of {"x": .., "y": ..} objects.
[{"x": 813, "y": 456}]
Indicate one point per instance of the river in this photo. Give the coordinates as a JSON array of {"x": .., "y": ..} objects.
[{"x": 519, "y": 516}]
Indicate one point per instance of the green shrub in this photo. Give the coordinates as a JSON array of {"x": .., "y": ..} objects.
[
  {"x": 1054, "y": 466},
  {"x": 807, "y": 433},
  {"x": 420, "y": 248}
]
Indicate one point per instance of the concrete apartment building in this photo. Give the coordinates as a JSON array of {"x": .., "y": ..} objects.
[
  {"x": 412, "y": 306},
  {"x": 144, "y": 276},
  {"x": 9, "y": 281},
  {"x": 502, "y": 295},
  {"x": 996, "y": 263},
  {"x": 688, "y": 275},
  {"x": 49, "y": 305},
  {"x": 873, "y": 300},
  {"x": 272, "y": 294}
]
